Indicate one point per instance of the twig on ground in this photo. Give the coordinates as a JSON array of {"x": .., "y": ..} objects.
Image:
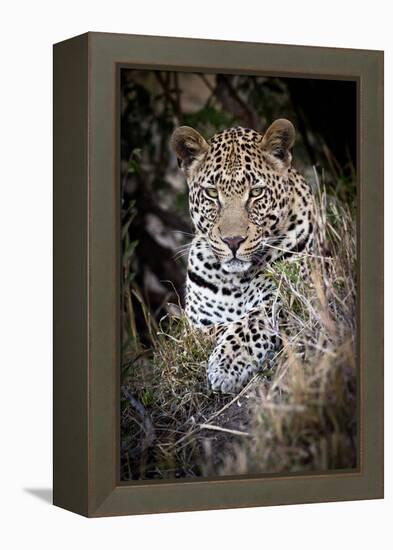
[{"x": 226, "y": 430}]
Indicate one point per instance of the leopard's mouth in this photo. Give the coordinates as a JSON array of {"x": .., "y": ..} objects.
[{"x": 236, "y": 266}]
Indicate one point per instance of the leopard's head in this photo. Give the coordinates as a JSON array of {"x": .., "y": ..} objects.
[{"x": 238, "y": 187}]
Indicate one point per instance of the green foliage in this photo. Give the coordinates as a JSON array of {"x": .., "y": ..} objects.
[
  {"x": 134, "y": 162},
  {"x": 346, "y": 191}
]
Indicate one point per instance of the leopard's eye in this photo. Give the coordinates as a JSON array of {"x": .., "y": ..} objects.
[
  {"x": 256, "y": 192},
  {"x": 211, "y": 192}
]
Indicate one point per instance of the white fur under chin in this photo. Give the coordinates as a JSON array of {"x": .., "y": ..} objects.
[{"x": 236, "y": 266}]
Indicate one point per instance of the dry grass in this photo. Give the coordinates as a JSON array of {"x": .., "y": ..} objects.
[{"x": 300, "y": 416}]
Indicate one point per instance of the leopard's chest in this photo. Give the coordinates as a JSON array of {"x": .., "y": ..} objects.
[{"x": 214, "y": 297}]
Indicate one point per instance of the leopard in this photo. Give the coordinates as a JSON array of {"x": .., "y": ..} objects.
[{"x": 249, "y": 208}]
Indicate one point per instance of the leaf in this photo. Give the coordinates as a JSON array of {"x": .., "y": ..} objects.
[{"x": 129, "y": 250}]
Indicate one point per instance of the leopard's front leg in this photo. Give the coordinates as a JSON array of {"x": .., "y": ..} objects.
[{"x": 240, "y": 351}]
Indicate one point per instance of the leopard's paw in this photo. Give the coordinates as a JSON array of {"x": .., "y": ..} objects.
[
  {"x": 221, "y": 381},
  {"x": 229, "y": 373}
]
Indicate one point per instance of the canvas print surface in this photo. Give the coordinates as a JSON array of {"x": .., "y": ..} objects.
[{"x": 238, "y": 304}]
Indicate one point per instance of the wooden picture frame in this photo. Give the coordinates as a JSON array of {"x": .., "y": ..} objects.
[{"x": 87, "y": 273}]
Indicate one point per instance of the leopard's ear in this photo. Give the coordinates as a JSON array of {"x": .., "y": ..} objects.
[
  {"x": 189, "y": 146},
  {"x": 279, "y": 139}
]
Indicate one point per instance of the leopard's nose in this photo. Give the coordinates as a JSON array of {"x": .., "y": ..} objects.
[{"x": 234, "y": 242}]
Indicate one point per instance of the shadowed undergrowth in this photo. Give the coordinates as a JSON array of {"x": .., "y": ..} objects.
[{"x": 299, "y": 414}]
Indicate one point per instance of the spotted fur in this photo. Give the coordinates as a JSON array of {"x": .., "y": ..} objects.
[{"x": 249, "y": 207}]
